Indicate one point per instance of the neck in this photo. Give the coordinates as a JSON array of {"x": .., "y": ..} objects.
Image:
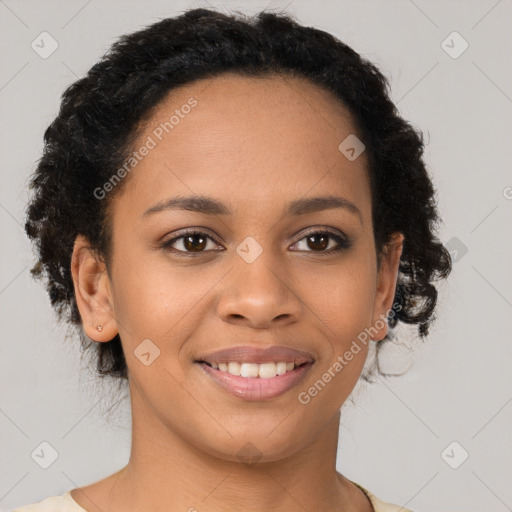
[{"x": 165, "y": 472}]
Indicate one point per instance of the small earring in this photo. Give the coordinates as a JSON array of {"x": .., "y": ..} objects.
[{"x": 99, "y": 328}]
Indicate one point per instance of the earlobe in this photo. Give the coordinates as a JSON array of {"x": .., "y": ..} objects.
[
  {"x": 386, "y": 283},
  {"x": 92, "y": 291}
]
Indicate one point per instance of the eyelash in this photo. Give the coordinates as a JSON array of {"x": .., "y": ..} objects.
[{"x": 343, "y": 242}]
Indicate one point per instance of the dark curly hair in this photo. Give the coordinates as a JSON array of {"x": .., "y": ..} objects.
[{"x": 102, "y": 114}]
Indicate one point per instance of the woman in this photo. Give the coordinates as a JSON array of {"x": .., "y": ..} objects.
[{"x": 230, "y": 210}]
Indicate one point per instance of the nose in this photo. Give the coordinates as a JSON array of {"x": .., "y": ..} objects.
[{"x": 259, "y": 296}]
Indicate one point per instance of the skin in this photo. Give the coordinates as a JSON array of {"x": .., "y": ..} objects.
[{"x": 254, "y": 144}]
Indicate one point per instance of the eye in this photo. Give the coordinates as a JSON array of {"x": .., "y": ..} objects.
[
  {"x": 319, "y": 241},
  {"x": 195, "y": 242},
  {"x": 192, "y": 242}
]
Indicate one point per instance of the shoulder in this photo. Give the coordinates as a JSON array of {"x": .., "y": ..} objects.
[
  {"x": 381, "y": 506},
  {"x": 64, "y": 503}
]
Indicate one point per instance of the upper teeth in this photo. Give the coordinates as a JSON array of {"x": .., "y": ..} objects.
[{"x": 264, "y": 370}]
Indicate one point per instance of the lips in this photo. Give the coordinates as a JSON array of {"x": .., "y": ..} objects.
[
  {"x": 256, "y": 385},
  {"x": 258, "y": 355}
]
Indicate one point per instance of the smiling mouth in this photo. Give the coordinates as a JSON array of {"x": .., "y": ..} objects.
[
  {"x": 256, "y": 382},
  {"x": 256, "y": 372},
  {"x": 266, "y": 370}
]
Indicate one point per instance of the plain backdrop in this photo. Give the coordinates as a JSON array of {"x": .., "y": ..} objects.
[{"x": 435, "y": 439}]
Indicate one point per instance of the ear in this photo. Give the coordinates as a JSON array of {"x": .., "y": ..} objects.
[
  {"x": 92, "y": 292},
  {"x": 386, "y": 284}
]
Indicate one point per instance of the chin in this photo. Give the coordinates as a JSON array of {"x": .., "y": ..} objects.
[{"x": 250, "y": 446}]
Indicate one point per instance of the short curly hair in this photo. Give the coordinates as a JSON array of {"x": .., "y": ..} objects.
[{"x": 102, "y": 114}]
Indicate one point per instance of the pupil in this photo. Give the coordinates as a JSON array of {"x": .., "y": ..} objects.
[
  {"x": 189, "y": 245},
  {"x": 323, "y": 244}
]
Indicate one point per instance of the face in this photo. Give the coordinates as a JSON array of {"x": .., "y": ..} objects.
[{"x": 195, "y": 287}]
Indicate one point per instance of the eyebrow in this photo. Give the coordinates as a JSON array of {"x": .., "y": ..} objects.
[{"x": 210, "y": 206}]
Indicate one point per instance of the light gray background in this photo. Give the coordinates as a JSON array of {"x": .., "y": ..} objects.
[{"x": 459, "y": 387}]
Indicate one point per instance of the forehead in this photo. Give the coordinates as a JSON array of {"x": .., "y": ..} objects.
[
  {"x": 252, "y": 136},
  {"x": 232, "y": 107}
]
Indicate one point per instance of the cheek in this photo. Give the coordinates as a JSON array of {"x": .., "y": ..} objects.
[
  {"x": 158, "y": 300},
  {"x": 346, "y": 313},
  {"x": 342, "y": 300},
  {"x": 341, "y": 297},
  {"x": 351, "y": 308}
]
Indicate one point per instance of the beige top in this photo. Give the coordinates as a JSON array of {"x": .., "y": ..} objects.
[{"x": 66, "y": 503}]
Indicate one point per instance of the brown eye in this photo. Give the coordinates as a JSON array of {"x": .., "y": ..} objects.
[
  {"x": 321, "y": 242},
  {"x": 194, "y": 242},
  {"x": 190, "y": 242},
  {"x": 318, "y": 241}
]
